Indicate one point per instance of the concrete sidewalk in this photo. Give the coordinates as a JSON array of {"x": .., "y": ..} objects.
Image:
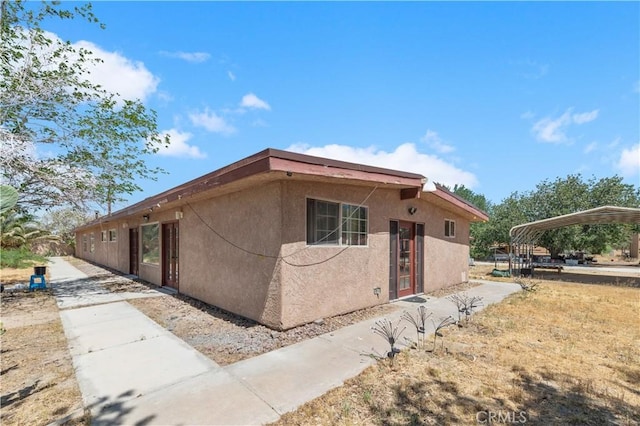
[
  {"x": 133, "y": 371},
  {"x": 73, "y": 288}
]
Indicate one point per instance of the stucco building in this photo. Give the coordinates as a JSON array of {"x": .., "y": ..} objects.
[{"x": 285, "y": 238}]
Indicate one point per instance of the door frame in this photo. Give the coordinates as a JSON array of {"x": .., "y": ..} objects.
[
  {"x": 134, "y": 251},
  {"x": 171, "y": 254},
  {"x": 416, "y": 258},
  {"x": 412, "y": 258}
]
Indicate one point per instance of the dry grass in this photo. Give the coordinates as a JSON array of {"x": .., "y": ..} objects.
[
  {"x": 37, "y": 379},
  {"x": 564, "y": 354},
  {"x": 15, "y": 276}
]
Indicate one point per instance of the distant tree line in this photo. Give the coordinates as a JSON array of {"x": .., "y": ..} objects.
[{"x": 550, "y": 199}]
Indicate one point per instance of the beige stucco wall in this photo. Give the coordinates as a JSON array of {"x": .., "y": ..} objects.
[
  {"x": 235, "y": 265},
  {"x": 344, "y": 283},
  {"x": 215, "y": 270},
  {"x": 107, "y": 253},
  {"x": 115, "y": 254},
  {"x": 446, "y": 259}
]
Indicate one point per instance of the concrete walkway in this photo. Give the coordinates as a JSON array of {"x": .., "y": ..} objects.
[{"x": 133, "y": 371}]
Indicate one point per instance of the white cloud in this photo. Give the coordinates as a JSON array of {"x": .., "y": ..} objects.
[
  {"x": 164, "y": 96},
  {"x": 115, "y": 73},
  {"x": 231, "y": 75},
  {"x": 432, "y": 139},
  {"x": 118, "y": 74},
  {"x": 629, "y": 161},
  {"x": 554, "y": 129},
  {"x": 178, "y": 146},
  {"x": 591, "y": 147},
  {"x": 193, "y": 57},
  {"x": 614, "y": 143},
  {"x": 585, "y": 117},
  {"x": 405, "y": 157},
  {"x": 528, "y": 115},
  {"x": 212, "y": 122},
  {"x": 252, "y": 101}
]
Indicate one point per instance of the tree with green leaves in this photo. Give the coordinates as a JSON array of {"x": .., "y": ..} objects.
[
  {"x": 62, "y": 222},
  {"x": 550, "y": 199},
  {"x": 96, "y": 142},
  {"x": 573, "y": 194},
  {"x": 479, "y": 236},
  {"x": 8, "y": 198},
  {"x": 478, "y": 200}
]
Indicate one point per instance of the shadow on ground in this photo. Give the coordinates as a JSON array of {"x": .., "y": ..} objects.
[
  {"x": 539, "y": 402},
  {"x": 114, "y": 412}
]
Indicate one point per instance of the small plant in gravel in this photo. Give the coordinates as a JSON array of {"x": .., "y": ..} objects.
[
  {"x": 419, "y": 321},
  {"x": 391, "y": 333},
  {"x": 444, "y": 323}
]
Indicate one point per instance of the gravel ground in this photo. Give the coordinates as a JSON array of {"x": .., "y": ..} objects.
[{"x": 224, "y": 337}]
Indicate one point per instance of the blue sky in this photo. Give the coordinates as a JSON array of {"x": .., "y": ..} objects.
[{"x": 495, "y": 96}]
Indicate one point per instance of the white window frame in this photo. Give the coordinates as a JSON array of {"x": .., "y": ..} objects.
[
  {"x": 113, "y": 235},
  {"x": 342, "y": 229}
]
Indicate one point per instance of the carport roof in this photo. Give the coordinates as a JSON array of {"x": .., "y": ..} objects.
[{"x": 530, "y": 232}]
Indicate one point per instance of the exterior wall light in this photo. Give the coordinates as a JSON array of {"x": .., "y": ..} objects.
[
  {"x": 412, "y": 210},
  {"x": 145, "y": 217}
]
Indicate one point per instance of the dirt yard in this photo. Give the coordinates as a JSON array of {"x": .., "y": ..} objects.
[
  {"x": 227, "y": 338},
  {"x": 38, "y": 383}
]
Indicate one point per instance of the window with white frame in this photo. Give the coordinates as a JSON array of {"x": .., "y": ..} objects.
[
  {"x": 84, "y": 242},
  {"x": 103, "y": 236},
  {"x": 331, "y": 223},
  {"x": 92, "y": 243},
  {"x": 354, "y": 225},
  {"x": 449, "y": 228},
  {"x": 113, "y": 235}
]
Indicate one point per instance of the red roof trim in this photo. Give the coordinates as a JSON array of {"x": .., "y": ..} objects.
[
  {"x": 460, "y": 202},
  {"x": 265, "y": 161}
]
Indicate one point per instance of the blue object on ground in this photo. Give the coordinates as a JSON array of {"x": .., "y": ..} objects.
[{"x": 41, "y": 282}]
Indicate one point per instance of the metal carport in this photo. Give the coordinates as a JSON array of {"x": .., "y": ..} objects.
[{"x": 523, "y": 237}]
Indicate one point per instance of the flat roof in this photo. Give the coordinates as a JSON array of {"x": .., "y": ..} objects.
[{"x": 267, "y": 161}]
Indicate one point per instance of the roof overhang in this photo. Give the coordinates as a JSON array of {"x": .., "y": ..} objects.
[
  {"x": 530, "y": 232},
  {"x": 269, "y": 165},
  {"x": 449, "y": 201}
]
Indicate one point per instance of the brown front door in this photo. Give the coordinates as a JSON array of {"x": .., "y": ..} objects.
[
  {"x": 170, "y": 244},
  {"x": 133, "y": 251},
  {"x": 406, "y": 260}
]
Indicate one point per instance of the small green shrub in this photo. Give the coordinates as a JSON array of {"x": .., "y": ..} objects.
[{"x": 19, "y": 258}]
